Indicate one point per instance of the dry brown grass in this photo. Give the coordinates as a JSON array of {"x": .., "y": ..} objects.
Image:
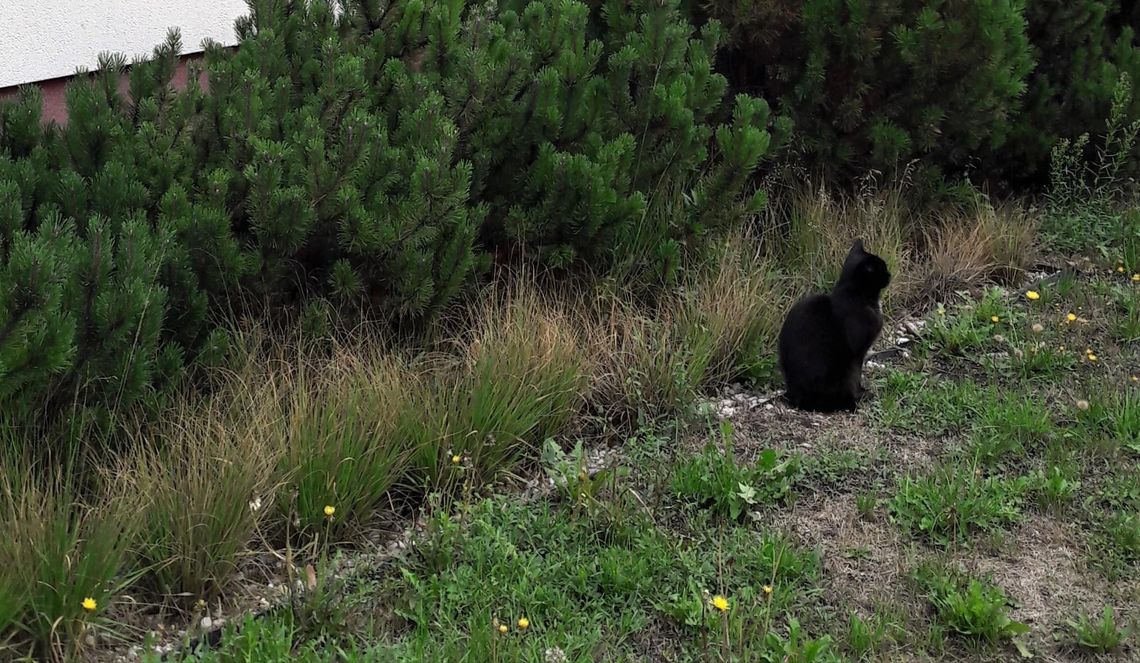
[
  {"x": 206, "y": 479},
  {"x": 987, "y": 243},
  {"x": 643, "y": 365},
  {"x": 652, "y": 362},
  {"x": 811, "y": 231},
  {"x": 738, "y": 303},
  {"x": 518, "y": 376}
]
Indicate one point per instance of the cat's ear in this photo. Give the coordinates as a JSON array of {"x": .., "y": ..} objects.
[{"x": 857, "y": 246}]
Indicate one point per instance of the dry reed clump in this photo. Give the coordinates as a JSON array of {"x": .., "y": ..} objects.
[
  {"x": 652, "y": 362},
  {"x": 987, "y": 244},
  {"x": 66, "y": 557},
  {"x": 206, "y": 478},
  {"x": 738, "y": 302},
  {"x": 518, "y": 377},
  {"x": 644, "y": 367},
  {"x": 812, "y": 232},
  {"x": 346, "y": 447}
]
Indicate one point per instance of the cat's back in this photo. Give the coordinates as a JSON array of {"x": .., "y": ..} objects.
[{"x": 810, "y": 319}]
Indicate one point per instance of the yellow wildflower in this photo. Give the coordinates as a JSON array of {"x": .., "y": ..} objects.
[
  {"x": 768, "y": 590},
  {"x": 995, "y": 319},
  {"x": 455, "y": 460},
  {"x": 720, "y": 603},
  {"x": 1136, "y": 277},
  {"x": 1072, "y": 317},
  {"x": 329, "y": 511},
  {"x": 1092, "y": 358},
  {"x": 1033, "y": 295},
  {"x": 1120, "y": 269},
  {"x": 502, "y": 628},
  {"x": 89, "y": 604},
  {"x": 523, "y": 622}
]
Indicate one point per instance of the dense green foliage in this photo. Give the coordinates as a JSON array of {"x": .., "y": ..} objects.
[
  {"x": 1081, "y": 49},
  {"x": 982, "y": 84},
  {"x": 381, "y": 156},
  {"x": 98, "y": 299},
  {"x": 877, "y": 84}
]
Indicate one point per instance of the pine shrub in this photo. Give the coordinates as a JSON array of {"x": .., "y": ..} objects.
[
  {"x": 379, "y": 156},
  {"x": 874, "y": 85},
  {"x": 1081, "y": 50},
  {"x": 99, "y": 304}
]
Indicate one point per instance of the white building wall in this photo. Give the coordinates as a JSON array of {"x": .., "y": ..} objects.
[{"x": 41, "y": 39}]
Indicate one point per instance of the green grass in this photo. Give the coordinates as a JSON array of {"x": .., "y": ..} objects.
[
  {"x": 969, "y": 606},
  {"x": 1056, "y": 487},
  {"x": 955, "y": 502},
  {"x": 1009, "y": 426},
  {"x": 1098, "y": 634},
  {"x": 582, "y": 583},
  {"x": 717, "y": 479},
  {"x": 916, "y": 402},
  {"x": 277, "y": 637}
]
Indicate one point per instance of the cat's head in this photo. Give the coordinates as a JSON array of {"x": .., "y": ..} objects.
[{"x": 865, "y": 271}]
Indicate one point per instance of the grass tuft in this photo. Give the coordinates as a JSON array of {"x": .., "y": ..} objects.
[
  {"x": 346, "y": 445},
  {"x": 74, "y": 556},
  {"x": 208, "y": 476}
]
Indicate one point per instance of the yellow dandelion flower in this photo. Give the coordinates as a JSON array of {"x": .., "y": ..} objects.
[
  {"x": 995, "y": 319},
  {"x": 1120, "y": 269},
  {"x": 1135, "y": 378},
  {"x": 329, "y": 511},
  {"x": 89, "y": 604},
  {"x": 768, "y": 590},
  {"x": 1033, "y": 295},
  {"x": 502, "y": 628},
  {"x": 1092, "y": 358},
  {"x": 1136, "y": 277},
  {"x": 719, "y": 602},
  {"x": 455, "y": 460},
  {"x": 1061, "y": 348},
  {"x": 1072, "y": 317},
  {"x": 524, "y": 623}
]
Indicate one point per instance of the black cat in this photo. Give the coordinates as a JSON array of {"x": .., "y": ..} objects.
[{"x": 825, "y": 338}]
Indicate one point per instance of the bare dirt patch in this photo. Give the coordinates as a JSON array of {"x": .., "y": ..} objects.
[
  {"x": 1041, "y": 566},
  {"x": 864, "y": 561}
]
